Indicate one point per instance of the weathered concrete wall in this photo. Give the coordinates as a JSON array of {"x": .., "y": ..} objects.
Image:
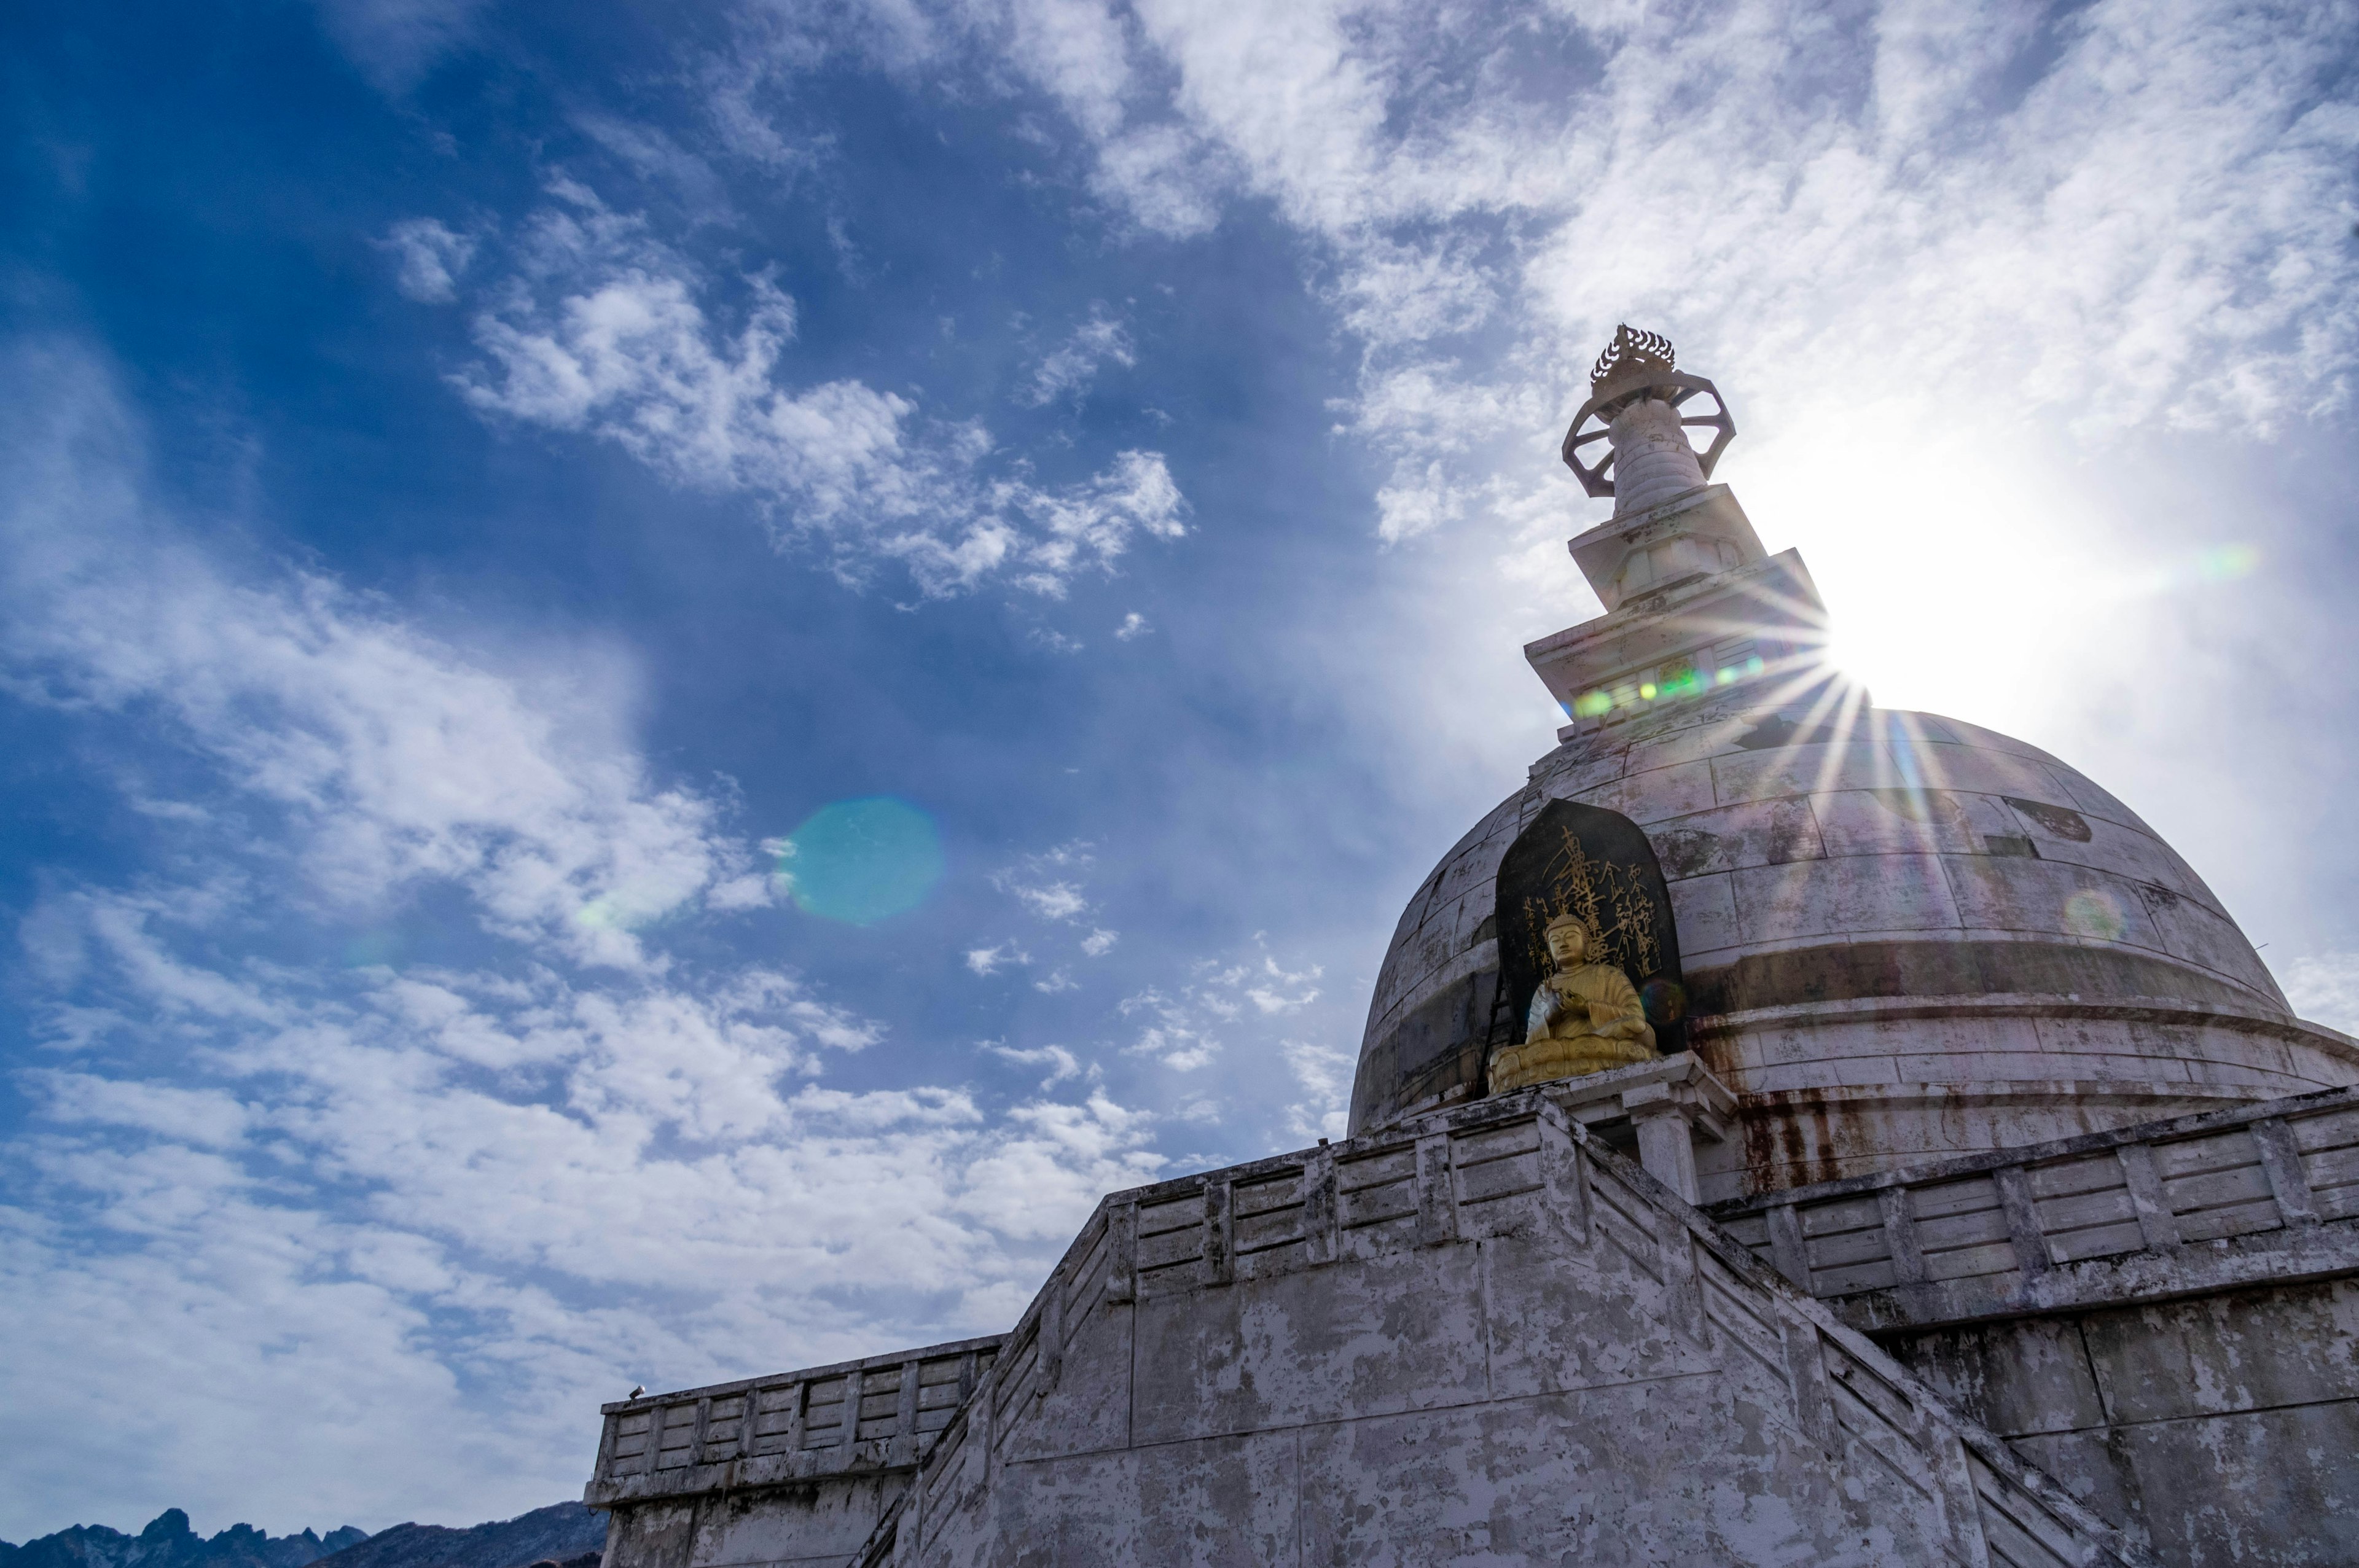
[
  {"x": 792, "y": 1468},
  {"x": 817, "y": 1521},
  {"x": 2160, "y": 1316},
  {"x": 1491, "y": 1343},
  {"x": 2264, "y": 1194},
  {"x": 2224, "y": 1431}
]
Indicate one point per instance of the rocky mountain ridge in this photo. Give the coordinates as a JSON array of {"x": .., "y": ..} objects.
[
  {"x": 558, "y": 1533},
  {"x": 564, "y": 1533},
  {"x": 168, "y": 1542}
]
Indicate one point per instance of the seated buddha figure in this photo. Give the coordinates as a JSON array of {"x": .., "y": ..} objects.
[{"x": 1586, "y": 1018}]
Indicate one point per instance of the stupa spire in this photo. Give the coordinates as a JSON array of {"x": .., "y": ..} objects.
[
  {"x": 1640, "y": 401},
  {"x": 1694, "y": 605}
]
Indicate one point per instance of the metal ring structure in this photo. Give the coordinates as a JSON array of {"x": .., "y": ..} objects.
[{"x": 1671, "y": 386}]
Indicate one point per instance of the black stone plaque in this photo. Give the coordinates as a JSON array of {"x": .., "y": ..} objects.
[{"x": 1597, "y": 864}]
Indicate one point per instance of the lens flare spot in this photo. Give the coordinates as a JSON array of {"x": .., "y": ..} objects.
[
  {"x": 609, "y": 912},
  {"x": 861, "y": 862},
  {"x": 2226, "y": 563},
  {"x": 2093, "y": 912},
  {"x": 371, "y": 949}
]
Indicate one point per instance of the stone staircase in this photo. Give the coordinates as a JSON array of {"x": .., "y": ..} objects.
[{"x": 1481, "y": 1336}]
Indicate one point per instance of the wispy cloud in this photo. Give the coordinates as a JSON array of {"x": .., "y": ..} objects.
[
  {"x": 428, "y": 259},
  {"x": 1183, "y": 1027},
  {"x": 1274, "y": 991},
  {"x": 465, "y": 1196},
  {"x": 1052, "y": 900},
  {"x": 1322, "y": 1069},
  {"x": 1099, "y": 339},
  {"x": 601, "y": 329},
  {"x": 1173, "y": 1033},
  {"x": 1060, "y": 1062},
  {"x": 396, "y": 42},
  {"x": 388, "y": 759},
  {"x": 1050, "y": 885},
  {"x": 990, "y": 960},
  {"x": 1975, "y": 207}
]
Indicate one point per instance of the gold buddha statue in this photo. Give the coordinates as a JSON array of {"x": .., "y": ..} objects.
[{"x": 1586, "y": 1018}]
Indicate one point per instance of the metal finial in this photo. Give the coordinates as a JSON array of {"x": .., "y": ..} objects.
[{"x": 1632, "y": 348}]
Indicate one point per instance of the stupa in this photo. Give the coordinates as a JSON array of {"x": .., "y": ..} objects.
[
  {"x": 1788, "y": 1132},
  {"x": 1893, "y": 935}
]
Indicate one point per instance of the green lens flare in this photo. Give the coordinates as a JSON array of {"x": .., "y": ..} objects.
[
  {"x": 2090, "y": 913},
  {"x": 2226, "y": 563},
  {"x": 861, "y": 862}
]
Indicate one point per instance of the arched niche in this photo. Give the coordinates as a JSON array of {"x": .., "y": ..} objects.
[{"x": 1595, "y": 863}]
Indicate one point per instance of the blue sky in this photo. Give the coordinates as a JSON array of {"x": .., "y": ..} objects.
[{"x": 483, "y": 479}]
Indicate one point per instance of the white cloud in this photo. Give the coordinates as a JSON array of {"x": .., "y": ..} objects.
[
  {"x": 1099, "y": 942},
  {"x": 603, "y": 330},
  {"x": 428, "y": 259},
  {"x": 988, "y": 960},
  {"x": 203, "y": 1119},
  {"x": 1134, "y": 625},
  {"x": 1277, "y": 992},
  {"x": 1166, "y": 178},
  {"x": 1150, "y": 165},
  {"x": 1056, "y": 900},
  {"x": 1096, "y": 341},
  {"x": 1056, "y": 980},
  {"x": 1222, "y": 999},
  {"x": 1181, "y": 1053},
  {"x": 1039, "y": 1183},
  {"x": 1172, "y": 1043},
  {"x": 1323, "y": 1071},
  {"x": 1059, "y": 1061},
  {"x": 391, "y": 758},
  {"x": 1048, "y": 884},
  {"x": 1975, "y": 216},
  {"x": 441, "y": 1208},
  {"x": 1173, "y": 1037},
  {"x": 1093, "y": 521},
  {"x": 2149, "y": 199}
]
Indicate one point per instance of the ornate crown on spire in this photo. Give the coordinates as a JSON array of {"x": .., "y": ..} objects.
[
  {"x": 1633, "y": 349},
  {"x": 1639, "y": 365}
]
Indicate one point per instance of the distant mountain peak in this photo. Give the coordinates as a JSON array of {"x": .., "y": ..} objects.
[
  {"x": 565, "y": 1533},
  {"x": 168, "y": 1542}
]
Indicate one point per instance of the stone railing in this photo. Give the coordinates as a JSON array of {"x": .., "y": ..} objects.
[
  {"x": 877, "y": 1413},
  {"x": 2267, "y": 1191},
  {"x": 1490, "y": 1169}
]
